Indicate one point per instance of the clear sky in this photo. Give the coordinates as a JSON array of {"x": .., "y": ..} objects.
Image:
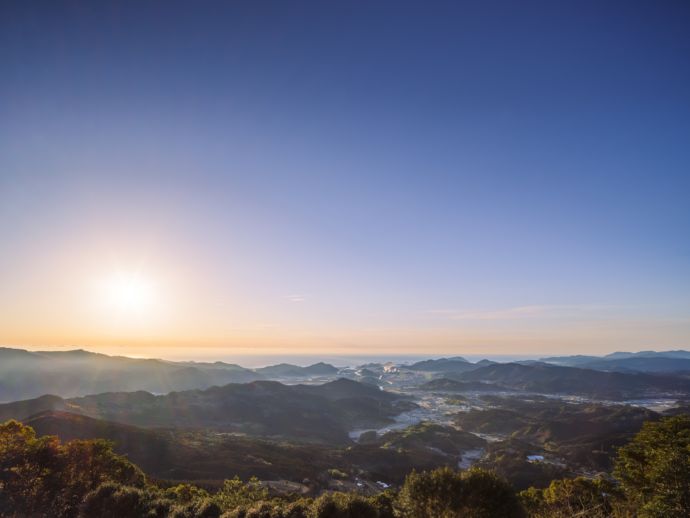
[{"x": 181, "y": 178}]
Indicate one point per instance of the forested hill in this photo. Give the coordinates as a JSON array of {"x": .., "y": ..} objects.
[
  {"x": 43, "y": 477},
  {"x": 322, "y": 413},
  {"x": 553, "y": 379}
]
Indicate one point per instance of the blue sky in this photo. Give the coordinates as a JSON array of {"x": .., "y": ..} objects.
[{"x": 416, "y": 176}]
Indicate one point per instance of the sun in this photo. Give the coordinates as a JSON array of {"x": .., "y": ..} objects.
[{"x": 130, "y": 292}]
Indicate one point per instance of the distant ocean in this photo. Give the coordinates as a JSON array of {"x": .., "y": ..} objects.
[{"x": 254, "y": 361}]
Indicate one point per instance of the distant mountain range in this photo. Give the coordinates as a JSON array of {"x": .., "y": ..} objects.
[
  {"x": 643, "y": 361},
  {"x": 25, "y": 374},
  {"x": 69, "y": 374},
  {"x": 615, "y": 376},
  {"x": 553, "y": 379}
]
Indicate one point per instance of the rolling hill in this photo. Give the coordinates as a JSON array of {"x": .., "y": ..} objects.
[
  {"x": 287, "y": 370},
  {"x": 451, "y": 385},
  {"x": 456, "y": 364},
  {"x": 551, "y": 379},
  {"x": 321, "y": 413}
]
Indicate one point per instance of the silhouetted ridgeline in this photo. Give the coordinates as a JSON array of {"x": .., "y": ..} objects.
[
  {"x": 25, "y": 374},
  {"x": 644, "y": 361}
]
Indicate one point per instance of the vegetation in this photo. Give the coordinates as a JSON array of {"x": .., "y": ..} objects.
[
  {"x": 451, "y": 385},
  {"x": 306, "y": 413},
  {"x": 445, "y": 493},
  {"x": 43, "y": 477},
  {"x": 509, "y": 459},
  {"x": 552, "y": 379},
  {"x": 565, "y": 498},
  {"x": 426, "y": 435},
  {"x": 456, "y": 364},
  {"x": 652, "y": 480},
  {"x": 207, "y": 455},
  {"x": 582, "y": 436},
  {"x": 654, "y": 468}
]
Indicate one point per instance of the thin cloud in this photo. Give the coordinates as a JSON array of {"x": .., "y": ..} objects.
[
  {"x": 521, "y": 312},
  {"x": 296, "y": 298}
]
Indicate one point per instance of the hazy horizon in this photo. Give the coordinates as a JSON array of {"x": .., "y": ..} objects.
[
  {"x": 339, "y": 360},
  {"x": 263, "y": 360}
]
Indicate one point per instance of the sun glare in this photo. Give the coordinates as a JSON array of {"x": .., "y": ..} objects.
[{"x": 129, "y": 292}]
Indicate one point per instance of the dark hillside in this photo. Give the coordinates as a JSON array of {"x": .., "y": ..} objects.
[
  {"x": 322, "y": 413},
  {"x": 552, "y": 379}
]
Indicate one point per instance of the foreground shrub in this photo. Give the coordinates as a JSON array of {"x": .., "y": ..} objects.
[
  {"x": 654, "y": 468},
  {"x": 445, "y": 493},
  {"x": 42, "y": 477},
  {"x": 593, "y": 498},
  {"x": 342, "y": 505},
  {"x": 111, "y": 500},
  {"x": 236, "y": 493}
]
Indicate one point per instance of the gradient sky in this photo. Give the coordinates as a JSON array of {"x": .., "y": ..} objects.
[{"x": 347, "y": 177}]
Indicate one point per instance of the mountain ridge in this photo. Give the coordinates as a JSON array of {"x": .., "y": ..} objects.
[{"x": 321, "y": 413}]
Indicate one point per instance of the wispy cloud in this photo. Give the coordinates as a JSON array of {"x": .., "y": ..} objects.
[
  {"x": 296, "y": 298},
  {"x": 522, "y": 312}
]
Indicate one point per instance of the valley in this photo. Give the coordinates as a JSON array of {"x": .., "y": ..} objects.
[{"x": 325, "y": 427}]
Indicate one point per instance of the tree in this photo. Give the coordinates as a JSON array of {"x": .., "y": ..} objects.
[
  {"x": 43, "y": 477},
  {"x": 236, "y": 493},
  {"x": 111, "y": 500},
  {"x": 343, "y": 505},
  {"x": 445, "y": 493},
  {"x": 28, "y": 467},
  {"x": 654, "y": 468},
  {"x": 186, "y": 493},
  {"x": 85, "y": 465},
  {"x": 593, "y": 498}
]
